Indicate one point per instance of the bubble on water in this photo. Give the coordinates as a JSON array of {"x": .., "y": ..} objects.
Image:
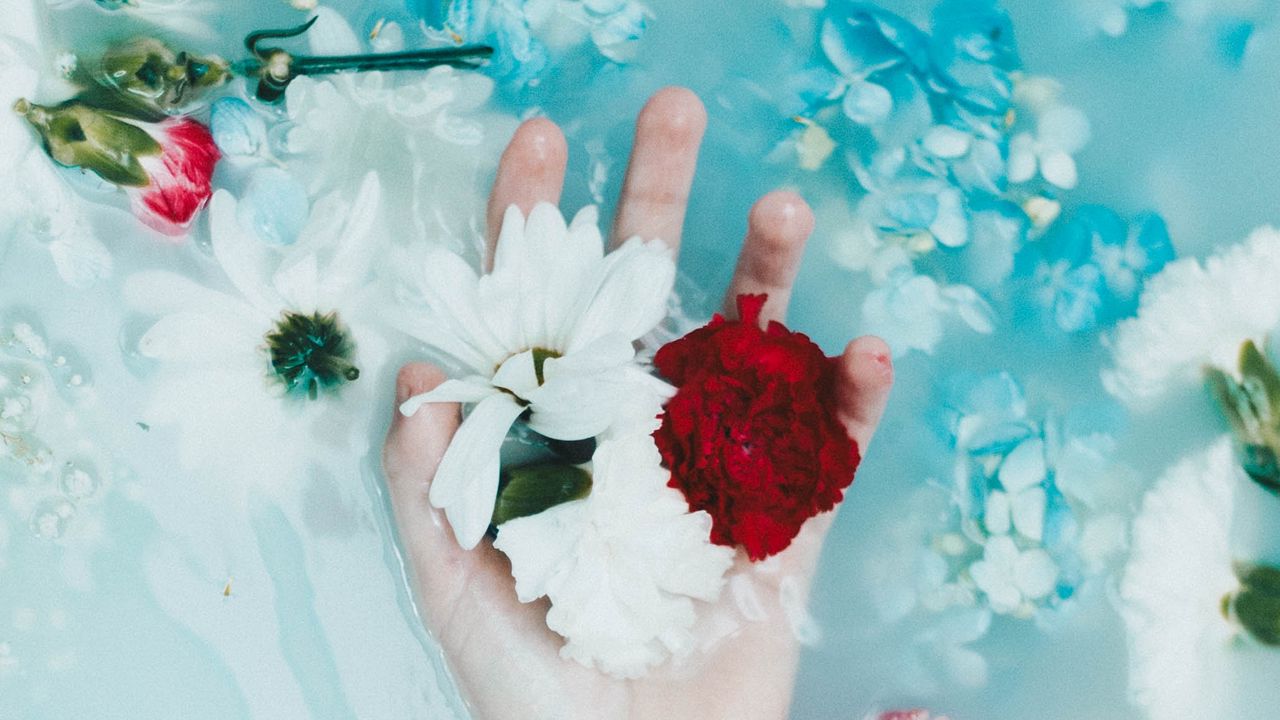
[
  {"x": 79, "y": 481},
  {"x": 17, "y": 411},
  {"x": 7, "y": 660},
  {"x": 51, "y": 518}
]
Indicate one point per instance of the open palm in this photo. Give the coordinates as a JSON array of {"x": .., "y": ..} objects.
[{"x": 504, "y": 658}]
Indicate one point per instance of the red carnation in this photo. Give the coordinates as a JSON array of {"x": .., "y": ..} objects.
[{"x": 752, "y": 435}]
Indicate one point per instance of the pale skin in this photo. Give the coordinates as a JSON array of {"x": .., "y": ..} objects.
[{"x": 500, "y": 651}]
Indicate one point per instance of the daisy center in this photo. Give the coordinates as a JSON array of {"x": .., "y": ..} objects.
[{"x": 311, "y": 353}]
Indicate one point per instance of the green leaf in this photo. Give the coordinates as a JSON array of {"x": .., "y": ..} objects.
[
  {"x": 1256, "y": 606},
  {"x": 531, "y": 489},
  {"x": 1224, "y": 389}
]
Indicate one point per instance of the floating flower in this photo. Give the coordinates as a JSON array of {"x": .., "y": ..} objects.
[
  {"x": 548, "y": 332},
  {"x": 908, "y": 312},
  {"x": 1196, "y": 313},
  {"x": 1061, "y": 131},
  {"x": 436, "y": 136},
  {"x": 1094, "y": 265},
  {"x": 165, "y": 167},
  {"x": 1173, "y": 588},
  {"x": 751, "y": 435},
  {"x": 1034, "y": 502},
  {"x": 623, "y": 566},
  {"x": 1011, "y": 578},
  {"x": 38, "y": 204},
  {"x": 246, "y": 376},
  {"x": 530, "y": 34}
]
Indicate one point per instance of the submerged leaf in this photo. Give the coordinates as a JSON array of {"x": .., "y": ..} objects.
[{"x": 531, "y": 489}]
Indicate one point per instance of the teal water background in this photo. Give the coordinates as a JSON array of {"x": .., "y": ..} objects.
[{"x": 125, "y": 618}]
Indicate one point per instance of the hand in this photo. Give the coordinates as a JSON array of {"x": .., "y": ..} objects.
[{"x": 500, "y": 651}]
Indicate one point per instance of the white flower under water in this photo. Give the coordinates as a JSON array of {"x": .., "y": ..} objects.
[
  {"x": 219, "y": 381},
  {"x": 623, "y": 566},
  {"x": 549, "y": 331},
  {"x": 1195, "y": 313},
  {"x": 37, "y": 202},
  {"x": 1173, "y": 587}
]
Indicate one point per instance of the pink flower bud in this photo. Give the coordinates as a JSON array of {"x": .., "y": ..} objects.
[{"x": 179, "y": 176}]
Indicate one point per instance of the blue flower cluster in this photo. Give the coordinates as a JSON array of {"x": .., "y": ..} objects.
[
  {"x": 955, "y": 149},
  {"x": 528, "y": 35},
  {"x": 928, "y": 114},
  {"x": 1089, "y": 269},
  {"x": 1032, "y": 522}
]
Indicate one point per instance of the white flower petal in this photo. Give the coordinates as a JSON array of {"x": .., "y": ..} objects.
[
  {"x": 1172, "y": 589},
  {"x": 518, "y": 374},
  {"x": 470, "y": 390},
  {"x": 1024, "y": 466},
  {"x": 200, "y": 338},
  {"x": 1196, "y": 313},
  {"x": 632, "y": 296},
  {"x": 466, "y": 483},
  {"x": 1027, "y": 512},
  {"x": 1035, "y": 574},
  {"x": 243, "y": 258},
  {"x": 996, "y": 514},
  {"x": 1059, "y": 169}
]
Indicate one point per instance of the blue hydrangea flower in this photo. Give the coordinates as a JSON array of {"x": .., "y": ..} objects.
[
  {"x": 1091, "y": 267},
  {"x": 530, "y": 35},
  {"x": 1023, "y": 492}
]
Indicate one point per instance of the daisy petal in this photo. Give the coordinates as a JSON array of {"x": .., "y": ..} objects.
[
  {"x": 466, "y": 483},
  {"x": 465, "y": 391},
  {"x": 632, "y": 297}
]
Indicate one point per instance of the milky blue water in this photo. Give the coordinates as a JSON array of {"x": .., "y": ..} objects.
[{"x": 123, "y": 614}]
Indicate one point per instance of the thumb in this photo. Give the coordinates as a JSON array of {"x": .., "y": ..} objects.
[{"x": 414, "y": 447}]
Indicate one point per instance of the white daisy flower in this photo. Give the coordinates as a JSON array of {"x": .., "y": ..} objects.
[
  {"x": 549, "y": 331},
  {"x": 1195, "y": 313},
  {"x": 236, "y": 369},
  {"x": 623, "y": 566},
  {"x": 1172, "y": 590}
]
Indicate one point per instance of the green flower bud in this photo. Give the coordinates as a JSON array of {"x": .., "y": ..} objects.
[
  {"x": 531, "y": 489},
  {"x": 1256, "y": 605},
  {"x": 77, "y": 135},
  {"x": 1252, "y": 407},
  {"x": 149, "y": 73}
]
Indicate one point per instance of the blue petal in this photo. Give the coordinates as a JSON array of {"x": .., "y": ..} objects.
[
  {"x": 1075, "y": 239},
  {"x": 1079, "y": 300},
  {"x": 237, "y": 129},
  {"x": 1149, "y": 233},
  {"x": 867, "y": 103},
  {"x": 911, "y": 211},
  {"x": 860, "y": 39}
]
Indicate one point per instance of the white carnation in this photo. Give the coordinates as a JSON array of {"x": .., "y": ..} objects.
[
  {"x": 1172, "y": 589},
  {"x": 1194, "y": 314},
  {"x": 623, "y": 566}
]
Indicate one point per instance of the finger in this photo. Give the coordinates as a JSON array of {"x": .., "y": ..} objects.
[
  {"x": 863, "y": 385},
  {"x": 531, "y": 171},
  {"x": 664, "y": 156},
  {"x": 412, "y": 452},
  {"x": 777, "y": 228}
]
